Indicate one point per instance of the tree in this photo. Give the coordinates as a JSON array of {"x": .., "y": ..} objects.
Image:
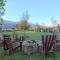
[
  {"x": 58, "y": 27},
  {"x": 1, "y": 23},
  {"x": 23, "y": 24},
  {"x": 18, "y": 26},
  {"x": 25, "y": 15},
  {"x": 35, "y": 27},
  {"x": 2, "y": 4},
  {"x": 2, "y": 10},
  {"x": 43, "y": 27},
  {"x": 54, "y": 21},
  {"x": 55, "y": 25}
]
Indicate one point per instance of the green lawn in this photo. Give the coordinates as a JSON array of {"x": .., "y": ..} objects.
[
  {"x": 18, "y": 55},
  {"x": 31, "y": 35}
]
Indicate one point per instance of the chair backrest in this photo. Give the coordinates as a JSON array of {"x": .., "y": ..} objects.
[
  {"x": 48, "y": 42},
  {"x": 7, "y": 42},
  {"x": 44, "y": 42},
  {"x": 52, "y": 42},
  {"x": 7, "y": 38}
]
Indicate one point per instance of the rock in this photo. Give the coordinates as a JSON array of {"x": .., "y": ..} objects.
[{"x": 28, "y": 47}]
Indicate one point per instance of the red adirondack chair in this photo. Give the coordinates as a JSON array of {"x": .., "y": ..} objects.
[
  {"x": 9, "y": 45},
  {"x": 49, "y": 45}
]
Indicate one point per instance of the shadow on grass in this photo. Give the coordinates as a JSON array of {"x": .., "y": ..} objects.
[{"x": 18, "y": 55}]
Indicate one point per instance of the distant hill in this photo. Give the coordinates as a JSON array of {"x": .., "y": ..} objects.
[{"x": 9, "y": 24}]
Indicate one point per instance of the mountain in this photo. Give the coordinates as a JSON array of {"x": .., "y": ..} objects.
[{"x": 9, "y": 24}]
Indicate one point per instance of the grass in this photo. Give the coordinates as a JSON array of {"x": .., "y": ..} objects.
[
  {"x": 31, "y": 35},
  {"x": 18, "y": 55}
]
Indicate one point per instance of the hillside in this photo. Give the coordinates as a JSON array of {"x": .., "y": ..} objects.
[{"x": 9, "y": 24}]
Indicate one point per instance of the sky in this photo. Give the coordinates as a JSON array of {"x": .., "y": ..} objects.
[{"x": 40, "y": 11}]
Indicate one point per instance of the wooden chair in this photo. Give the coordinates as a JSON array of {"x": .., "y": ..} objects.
[
  {"x": 49, "y": 45},
  {"x": 9, "y": 45}
]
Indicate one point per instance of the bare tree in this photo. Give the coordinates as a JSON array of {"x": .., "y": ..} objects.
[
  {"x": 23, "y": 24},
  {"x": 35, "y": 27},
  {"x": 54, "y": 21},
  {"x": 55, "y": 25},
  {"x": 58, "y": 28}
]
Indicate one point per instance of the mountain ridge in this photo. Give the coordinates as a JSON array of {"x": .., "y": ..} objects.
[{"x": 9, "y": 24}]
